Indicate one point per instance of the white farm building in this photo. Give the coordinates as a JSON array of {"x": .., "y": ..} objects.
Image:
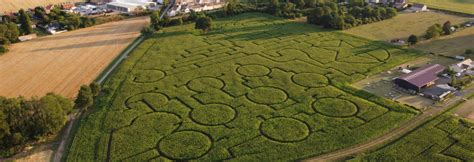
[{"x": 130, "y": 5}]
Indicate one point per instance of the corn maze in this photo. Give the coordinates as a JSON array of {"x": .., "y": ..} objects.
[
  {"x": 447, "y": 138},
  {"x": 255, "y": 88}
]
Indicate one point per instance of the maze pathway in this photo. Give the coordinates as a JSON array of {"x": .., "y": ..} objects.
[{"x": 256, "y": 87}]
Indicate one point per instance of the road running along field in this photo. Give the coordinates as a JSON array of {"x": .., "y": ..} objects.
[
  {"x": 256, "y": 87},
  {"x": 15, "y": 5},
  {"x": 403, "y": 25},
  {"x": 462, "y": 6},
  {"x": 62, "y": 63}
]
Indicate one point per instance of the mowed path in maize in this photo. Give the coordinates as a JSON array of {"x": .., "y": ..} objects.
[{"x": 62, "y": 63}]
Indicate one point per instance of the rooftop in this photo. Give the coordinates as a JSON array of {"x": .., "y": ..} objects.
[{"x": 423, "y": 75}]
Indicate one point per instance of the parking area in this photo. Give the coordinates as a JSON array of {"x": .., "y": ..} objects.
[{"x": 382, "y": 84}]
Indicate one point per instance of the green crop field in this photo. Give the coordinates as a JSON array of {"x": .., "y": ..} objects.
[
  {"x": 462, "y": 6},
  {"x": 256, "y": 87},
  {"x": 447, "y": 138}
]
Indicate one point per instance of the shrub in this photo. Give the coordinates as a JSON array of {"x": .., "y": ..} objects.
[
  {"x": 176, "y": 22},
  {"x": 203, "y": 23},
  {"x": 434, "y": 31},
  {"x": 468, "y": 51},
  {"x": 413, "y": 39},
  {"x": 3, "y": 49}
]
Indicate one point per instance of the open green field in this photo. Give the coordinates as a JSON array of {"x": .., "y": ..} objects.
[
  {"x": 447, "y": 138},
  {"x": 255, "y": 88},
  {"x": 403, "y": 25},
  {"x": 463, "y": 6},
  {"x": 451, "y": 45}
]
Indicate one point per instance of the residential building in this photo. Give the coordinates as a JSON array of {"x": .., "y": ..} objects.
[
  {"x": 463, "y": 67},
  {"x": 418, "y": 7}
]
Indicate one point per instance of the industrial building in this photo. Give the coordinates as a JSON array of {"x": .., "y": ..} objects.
[
  {"x": 420, "y": 78},
  {"x": 130, "y": 5}
]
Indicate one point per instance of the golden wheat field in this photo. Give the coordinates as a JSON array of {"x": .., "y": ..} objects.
[{"x": 62, "y": 63}]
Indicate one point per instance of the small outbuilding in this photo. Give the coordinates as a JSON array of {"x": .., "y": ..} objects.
[
  {"x": 420, "y": 78},
  {"x": 418, "y": 7}
]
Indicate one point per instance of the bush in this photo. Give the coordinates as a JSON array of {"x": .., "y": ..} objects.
[
  {"x": 413, "y": 39},
  {"x": 3, "y": 49},
  {"x": 147, "y": 31},
  {"x": 434, "y": 31},
  {"x": 4, "y": 41},
  {"x": 176, "y": 22},
  {"x": 468, "y": 51}
]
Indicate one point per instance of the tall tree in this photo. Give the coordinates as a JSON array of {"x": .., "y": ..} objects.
[
  {"x": 203, "y": 23},
  {"x": 4, "y": 127},
  {"x": 447, "y": 28},
  {"x": 412, "y": 39},
  {"x": 391, "y": 12},
  {"x": 25, "y": 22},
  {"x": 95, "y": 88},
  {"x": 274, "y": 7},
  {"x": 300, "y": 4},
  {"x": 40, "y": 14},
  {"x": 433, "y": 31},
  {"x": 155, "y": 20},
  {"x": 230, "y": 7},
  {"x": 84, "y": 98}
]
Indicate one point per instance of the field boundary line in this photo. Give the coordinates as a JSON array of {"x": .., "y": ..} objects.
[
  {"x": 59, "y": 152},
  {"x": 119, "y": 59}
]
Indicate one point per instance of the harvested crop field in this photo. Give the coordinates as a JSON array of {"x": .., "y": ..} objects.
[
  {"x": 15, "y": 5},
  {"x": 62, "y": 63},
  {"x": 256, "y": 88},
  {"x": 451, "y": 45},
  {"x": 404, "y": 25},
  {"x": 462, "y": 6}
]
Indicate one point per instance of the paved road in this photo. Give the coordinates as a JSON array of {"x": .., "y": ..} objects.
[{"x": 393, "y": 134}]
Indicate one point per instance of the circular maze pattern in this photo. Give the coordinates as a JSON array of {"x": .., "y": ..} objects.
[
  {"x": 213, "y": 114},
  {"x": 267, "y": 95},
  {"x": 151, "y": 99},
  {"x": 148, "y": 76},
  {"x": 205, "y": 84},
  {"x": 284, "y": 129},
  {"x": 335, "y": 107},
  {"x": 312, "y": 80},
  {"x": 253, "y": 70},
  {"x": 185, "y": 145}
]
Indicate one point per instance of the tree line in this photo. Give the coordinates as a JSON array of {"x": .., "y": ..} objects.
[
  {"x": 332, "y": 15},
  {"x": 23, "y": 121}
]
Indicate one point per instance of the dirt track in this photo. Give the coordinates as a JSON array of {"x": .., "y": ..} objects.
[{"x": 62, "y": 63}]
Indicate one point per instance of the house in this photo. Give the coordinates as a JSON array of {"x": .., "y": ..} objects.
[
  {"x": 420, "y": 78},
  {"x": 463, "y": 67},
  {"x": 418, "y": 7}
]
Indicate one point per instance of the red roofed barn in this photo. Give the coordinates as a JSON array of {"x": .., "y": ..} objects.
[{"x": 420, "y": 78}]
